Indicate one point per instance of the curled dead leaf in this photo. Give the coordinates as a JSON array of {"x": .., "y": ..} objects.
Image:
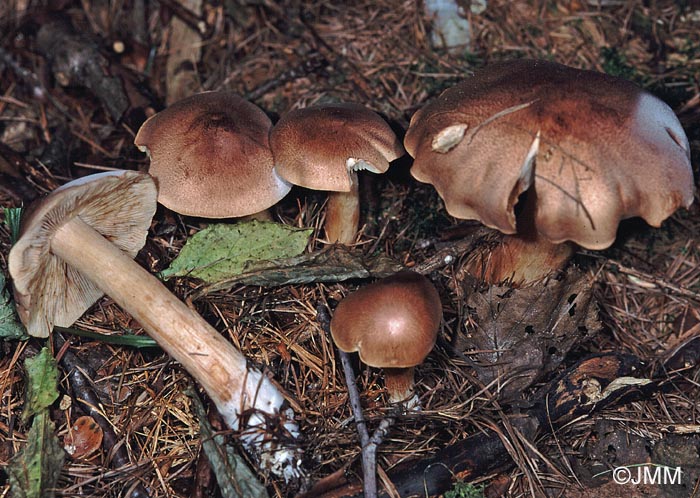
[{"x": 522, "y": 334}]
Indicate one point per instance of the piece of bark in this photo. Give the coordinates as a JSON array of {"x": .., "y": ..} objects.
[
  {"x": 75, "y": 60},
  {"x": 189, "y": 15},
  {"x": 334, "y": 264}
]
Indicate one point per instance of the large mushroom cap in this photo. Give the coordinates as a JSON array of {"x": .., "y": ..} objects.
[
  {"x": 117, "y": 204},
  {"x": 591, "y": 149},
  {"x": 315, "y": 147},
  {"x": 392, "y": 323},
  {"x": 210, "y": 155}
]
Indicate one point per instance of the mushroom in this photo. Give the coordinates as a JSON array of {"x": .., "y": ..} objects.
[
  {"x": 78, "y": 243},
  {"x": 392, "y": 324},
  {"x": 210, "y": 155},
  {"x": 549, "y": 155},
  {"x": 322, "y": 147}
]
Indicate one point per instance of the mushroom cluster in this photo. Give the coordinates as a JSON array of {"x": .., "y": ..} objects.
[
  {"x": 216, "y": 155},
  {"x": 548, "y": 155}
]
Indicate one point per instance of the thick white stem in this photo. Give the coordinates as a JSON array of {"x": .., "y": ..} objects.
[{"x": 215, "y": 363}]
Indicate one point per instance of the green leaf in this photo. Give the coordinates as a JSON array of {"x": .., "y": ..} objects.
[
  {"x": 221, "y": 251},
  {"x": 10, "y": 328},
  {"x": 34, "y": 471},
  {"x": 42, "y": 378},
  {"x": 462, "y": 489}
]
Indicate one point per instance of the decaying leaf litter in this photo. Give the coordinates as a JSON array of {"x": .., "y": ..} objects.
[{"x": 377, "y": 54}]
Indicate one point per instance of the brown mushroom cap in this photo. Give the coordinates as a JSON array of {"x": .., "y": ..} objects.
[
  {"x": 117, "y": 204},
  {"x": 210, "y": 155},
  {"x": 392, "y": 323},
  {"x": 315, "y": 147},
  {"x": 593, "y": 149}
]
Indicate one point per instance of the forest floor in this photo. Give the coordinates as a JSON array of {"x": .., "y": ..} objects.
[{"x": 57, "y": 123}]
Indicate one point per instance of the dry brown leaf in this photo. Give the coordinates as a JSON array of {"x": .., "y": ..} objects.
[{"x": 524, "y": 333}]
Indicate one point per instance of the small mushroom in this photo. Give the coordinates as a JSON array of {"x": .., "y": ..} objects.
[
  {"x": 78, "y": 243},
  {"x": 210, "y": 155},
  {"x": 552, "y": 156},
  {"x": 322, "y": 147},
  {"x": 392, "y": 324}
]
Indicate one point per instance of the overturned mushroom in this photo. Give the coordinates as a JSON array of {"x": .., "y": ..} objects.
[
  {"x": 210, "y": 155},
  {"x": 392, "y": 324},
  {"x": 576, "y": 151},
  {"x": 78, "y": 243},
  {"x": 322, "y": 147}
]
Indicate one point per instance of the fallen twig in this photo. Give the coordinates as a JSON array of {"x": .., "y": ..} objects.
[
  {"x": 26, "y": 177},
  {"x": 335, "y": 264},
  {"x": 368, "y": 444},
  {"x": 368, "y": 463}
]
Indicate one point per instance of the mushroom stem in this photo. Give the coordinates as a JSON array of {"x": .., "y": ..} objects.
[
  {"x": 214, "y": 362},
  {"x": 343, "y": 214},
  {"x": 399, "y": 384},
  {"x": 264, "y": 215},
  {"x": 520, "y": 260}
]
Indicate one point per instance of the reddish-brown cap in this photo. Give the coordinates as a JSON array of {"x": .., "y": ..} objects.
[
  {"x": 210, "y": 155},
  {"x": 392, "y": 323},
  {"x": 315, "y": 147},
  {"x": 117, "y": 204},
  {"x": 592, "y": 150}
]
